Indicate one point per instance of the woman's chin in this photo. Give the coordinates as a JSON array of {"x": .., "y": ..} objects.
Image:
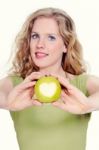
[{"x": 41, "y": 66}]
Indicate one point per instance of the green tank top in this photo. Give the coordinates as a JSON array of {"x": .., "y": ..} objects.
[{"x": 49, "y": 128}]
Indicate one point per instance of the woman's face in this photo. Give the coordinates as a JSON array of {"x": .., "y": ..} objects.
[{"x": 46, "y": 44}]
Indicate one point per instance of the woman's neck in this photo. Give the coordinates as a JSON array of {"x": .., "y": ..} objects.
[{"x": 56, "y": 70}]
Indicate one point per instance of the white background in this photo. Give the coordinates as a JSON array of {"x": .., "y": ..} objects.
[{"x": 86, "y": 16}]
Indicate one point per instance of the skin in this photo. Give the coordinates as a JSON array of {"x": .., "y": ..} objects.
[
  {"x": 46, "y": 45},
  {"x": 47, "y": 48}
]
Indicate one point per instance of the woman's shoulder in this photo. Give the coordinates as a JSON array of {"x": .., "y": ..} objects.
[
  {"x": 16, "y": 79},
  {"x": 80, "y": 81},
  {"x": 86, "y": 82},
  {"x": 82, "y": 76},
  {"x": 6, "y": 84},
  {"x": 93, "y": 84}
]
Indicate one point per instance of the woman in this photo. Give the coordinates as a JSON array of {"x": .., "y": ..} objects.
[{"x": 48, "y": 45}]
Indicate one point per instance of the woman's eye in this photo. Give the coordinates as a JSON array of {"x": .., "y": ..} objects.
[
  {"x": 34, "y": 36},
  {"x": 51, "y": 38}
]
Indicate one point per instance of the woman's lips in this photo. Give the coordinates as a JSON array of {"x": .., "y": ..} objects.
[{"x": 40, "y": 55}]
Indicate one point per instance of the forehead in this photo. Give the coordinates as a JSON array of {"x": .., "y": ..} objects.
[{"x": 46, "y": 25}]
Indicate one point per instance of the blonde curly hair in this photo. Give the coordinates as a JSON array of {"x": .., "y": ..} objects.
[{"x": 72, "y": 61}]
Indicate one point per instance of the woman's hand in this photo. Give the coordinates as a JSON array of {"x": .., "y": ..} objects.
[
  {"x": 21, "y": 96},
  {"x": 72, "y": 99}
]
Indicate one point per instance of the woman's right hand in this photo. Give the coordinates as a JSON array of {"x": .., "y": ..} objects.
[{"x": 21, "y": 96}]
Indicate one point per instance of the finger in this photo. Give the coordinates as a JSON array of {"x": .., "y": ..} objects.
[
  {"x": 62, "y": 95},
  {"x": 31, "y": 103},
  {"x": 33, "y": 76},
  {"x": 24, "y": 86},
  {"x": 63, "y": 81},
  {"x": 65, "y": 92},
  {"x": 36, "y": 103},
  {"x": 65, "y": 107},
  {"x": 60, "y": 105},
  {"x": 67, "y": 98}
]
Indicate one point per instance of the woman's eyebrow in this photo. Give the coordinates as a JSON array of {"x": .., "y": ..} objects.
[
  {"x": 47, "y": 33},
  {"x": 34, "y": 32}
]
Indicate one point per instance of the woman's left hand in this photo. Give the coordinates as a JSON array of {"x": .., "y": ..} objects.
[{"x": 72, "y": 99}]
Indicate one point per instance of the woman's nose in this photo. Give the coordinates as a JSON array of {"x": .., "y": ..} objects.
[{"x": 41, "y": 43}]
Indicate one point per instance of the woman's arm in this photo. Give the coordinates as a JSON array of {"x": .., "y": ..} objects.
[
  {"x": 18, "y": 97},
  {"x": 93, "y": 90},
  {"x": 5, "y": 87},
  {"x": 75, "y": 101}
]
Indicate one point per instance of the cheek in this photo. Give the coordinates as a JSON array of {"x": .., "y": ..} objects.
[
  {"x": 33, "y": 44},
  {"x": 32, "y": 48},
  {"x": 57, "y": 49}
]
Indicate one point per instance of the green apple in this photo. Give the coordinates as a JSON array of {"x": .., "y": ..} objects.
[{"x": 47, "y": 89}]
